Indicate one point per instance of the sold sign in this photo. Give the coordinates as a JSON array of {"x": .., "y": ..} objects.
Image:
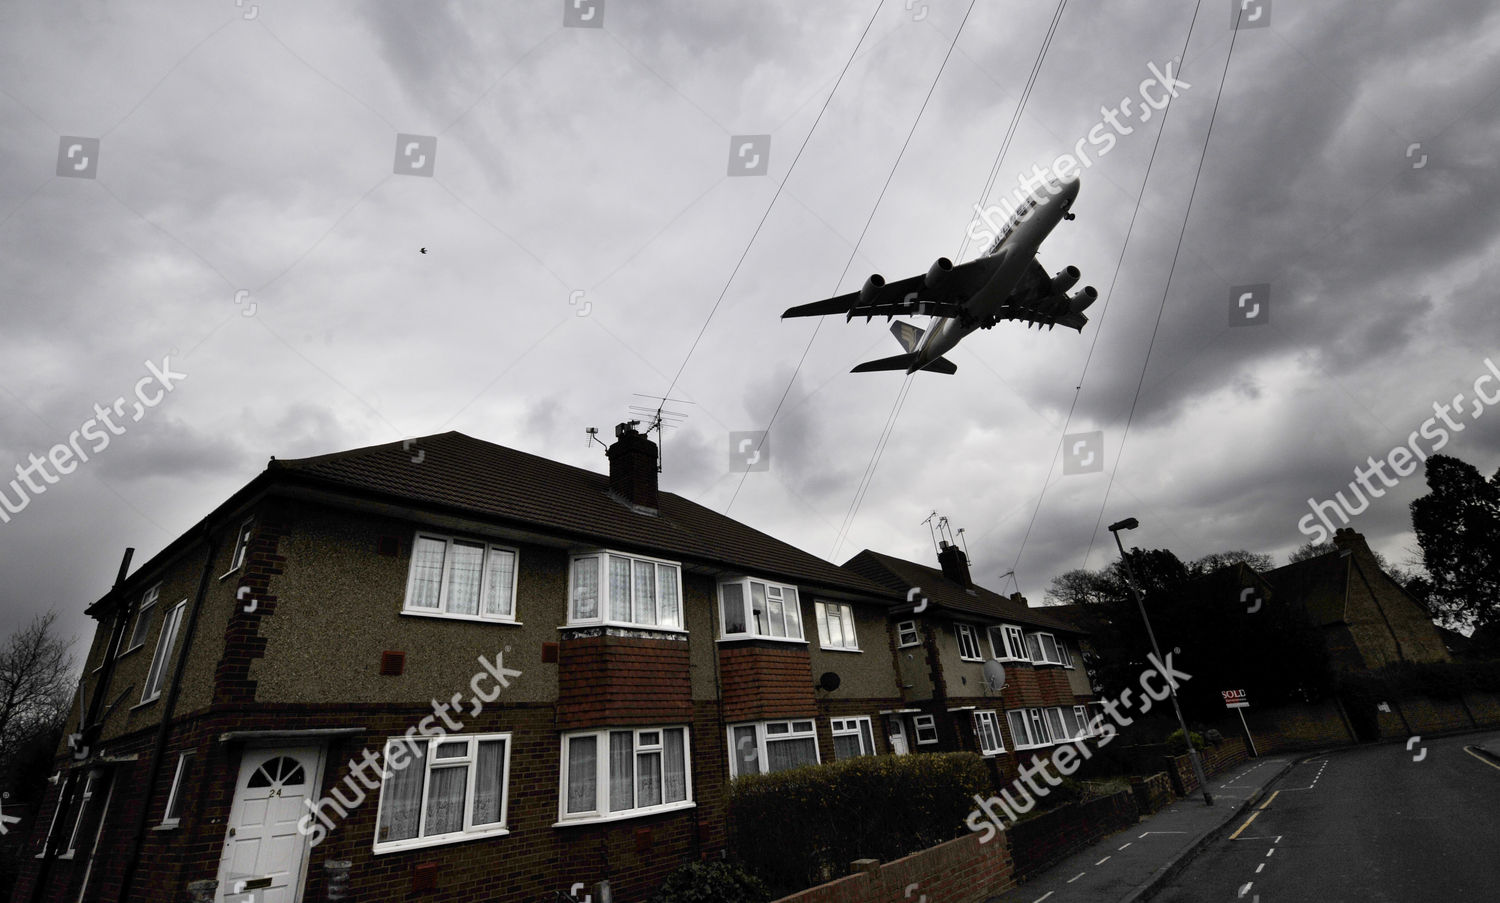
[{"x": 1235, "y": 699}]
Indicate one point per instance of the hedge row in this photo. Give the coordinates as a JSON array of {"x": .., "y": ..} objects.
[{"x": 800, "y": 827}]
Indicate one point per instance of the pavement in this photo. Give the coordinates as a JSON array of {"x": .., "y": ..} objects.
[{"x": 1132, "y": 865}]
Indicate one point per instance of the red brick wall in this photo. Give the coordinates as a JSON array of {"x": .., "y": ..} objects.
[
  {"x": 959, "y": 871},
  {"x": 613, "y": 681},
  {"x": 770, "y": 681}
]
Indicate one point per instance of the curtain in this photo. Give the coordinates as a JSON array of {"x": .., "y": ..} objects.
[
  {"x": 746, "y": 753},
  {"x": 666, "y": 597},
  {"x": 1018, "y": 733},
  {"x": 619, "y": 589},
  {"x": 674, "y": 768},
  {"x": 845, "y": 746},
  {"x": 791, "y": 753},
  {"x": 489, "y": 783},
  {"x": 500, "y": 586},
  {"x": 869, "y": 735},
  {"x": 645, "y": 593},
  {"x": 621, "y": 771},
  {"x": 463, "y": 578},
  {"x": 445, "y": 800},
  {"x": 648, "y": 774},
  {"x": 586, "y": 588},
  {"x": 401, "y": 796},
  {"x": 426, "y": 572},
  {"x": 732, "y": 596},
  {"x": 583, "y": 774}
]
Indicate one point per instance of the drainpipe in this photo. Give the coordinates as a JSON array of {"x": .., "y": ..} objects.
[
  {"x": 153, "y": 769},
  {"x": 86, "y": 715}
]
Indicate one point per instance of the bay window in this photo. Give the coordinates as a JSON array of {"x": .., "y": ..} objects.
[
  {"x": 1043, "y": 649},
  {"x": 758, "y": 608},
  {"x": 764, "y": 747},
  {"x": 442, "y": 789},
  {"x": 625, "y": 590},
  {"x": 609, "y": 774},
  {"x": 1027, "y": 728}
]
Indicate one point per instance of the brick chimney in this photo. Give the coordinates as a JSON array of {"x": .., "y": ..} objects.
[
  {"x": 955, "y": 564},
  {"x": 632, "y": 467}
]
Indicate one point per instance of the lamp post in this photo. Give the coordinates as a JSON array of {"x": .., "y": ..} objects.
[{"x": 1131, "y": 523}]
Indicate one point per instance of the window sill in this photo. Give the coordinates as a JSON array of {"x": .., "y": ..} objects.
[
  {"x": 977, "y": 661},
  {"x": 620, "y": 625},
  {"x": 167, "y": 826},
  {"x": 445, "y": 616},
  {"x": 231, "y": 572},
  {"x": 401, "y": 846},
  {"x": 625, "y": 816},
  {"x": 838, "y": 648},
  {"x": 145, "y": 702},
  {"x": 130, "y": 650},
  {"x": 909, "y": 645}
]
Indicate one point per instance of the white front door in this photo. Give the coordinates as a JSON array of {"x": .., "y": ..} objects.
[
  {"x": 896, "y": 733},
  {"x": 264, "y": 853}
]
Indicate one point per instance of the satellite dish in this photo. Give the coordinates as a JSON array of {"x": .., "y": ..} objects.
[
  {"x": 829, "y": 681},
  {"x": 994, "y": 675}
]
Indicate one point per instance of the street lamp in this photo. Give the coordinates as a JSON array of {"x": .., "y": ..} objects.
[{"x": 1131, "y": 523}]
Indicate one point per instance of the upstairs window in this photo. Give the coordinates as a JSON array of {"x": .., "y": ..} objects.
[
  {"x": 1067, "y": 655},
  {"x": 241, "y": 544},
  {"x": 968, "y": 643},
  {"x": 1043, "y": 649},
  {"x": 143, "y": 614},
  {"x": 165, "y": 644},
  {"x": 1008, "y": 643},
  {"x": 836, "y": 626},
  {"x": 759, "y": 608},
  {"x": 625, "y": 590},
  {"x": 461, "y": 578}
]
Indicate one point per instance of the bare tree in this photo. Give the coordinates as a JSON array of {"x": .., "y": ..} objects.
[{"x": 36, "y": 683}]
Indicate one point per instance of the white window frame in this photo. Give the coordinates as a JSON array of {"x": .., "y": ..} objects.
[
  {"x": 858, "y": 726},
  {"x": 469, "y": 831},
  {"x": 603, "y": 603},
  {"x": 1038, "y": 653},
  {"x": 143, "y": 612},
  {"x": 903, "y": 628},
  {"x": 166, "y": 643},
  {"x": 488, "y": 551},
  {"x": 928, "y": 723},
  {"x": 792, "y": 603},
  {"x": 1012, "y": 638},
  {"x": 1067, "y": 655},
  {"x": 967, "y": 632},
  {"x": 1057, "y": 719},
  {"x": 845, "y": 613},
  {"x": 1081, "y": 717},
  {"x": 1033, "y": 732},
  {"x": 602, "y": 783},
  {"x": 241, "y": 546},
  {"x": 766, "y": 733},
  {"x": 85, "y": 796},
  {"x": 987, "y": 727},
  {"x": 174, "y": 796}
]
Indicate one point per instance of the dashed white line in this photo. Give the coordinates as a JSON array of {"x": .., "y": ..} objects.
[
  {"x": 1270, "y": 851},
  {"x": 1246, "y": 889},
  {"x": 1127, "y": 844},
  {"x": 1076, "y": 877},
  {"x": 1259, "y": 867},
  {"x": 1044, "y": 896},
  {"x": 1102, "y": 861}
]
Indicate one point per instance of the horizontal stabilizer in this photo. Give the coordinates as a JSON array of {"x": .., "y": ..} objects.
[{"x": 905, "y": 362}]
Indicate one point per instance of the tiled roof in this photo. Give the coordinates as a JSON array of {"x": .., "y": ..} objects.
[
  {"x": 900, "y": 575},
  {"x": 1320, "y": 584},
  {"x": 490, "y": 481}
]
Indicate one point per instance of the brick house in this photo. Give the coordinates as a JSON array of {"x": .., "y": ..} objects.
[
  {"x": 948, "y": 633},
  {"x": 448, "y": 670}
]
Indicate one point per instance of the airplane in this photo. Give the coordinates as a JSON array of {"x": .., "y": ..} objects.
[{"x": 1003, "y": 283}]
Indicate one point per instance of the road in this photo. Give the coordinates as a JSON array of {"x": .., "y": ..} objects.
[{"x": 1372, "y": 824}]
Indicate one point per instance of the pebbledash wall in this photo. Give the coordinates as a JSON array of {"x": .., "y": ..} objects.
[{"x": 328, "y": 586}]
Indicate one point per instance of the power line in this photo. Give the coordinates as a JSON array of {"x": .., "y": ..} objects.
[
  {"x": 1104, "y": 309},
  {"x": 769, "y": 207},
  {"x": 1171, "y": 271}
]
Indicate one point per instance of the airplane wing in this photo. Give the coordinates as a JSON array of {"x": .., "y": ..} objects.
[
  {"x": 910, "y": 297},
  {"x": 1034, "y": 301}
]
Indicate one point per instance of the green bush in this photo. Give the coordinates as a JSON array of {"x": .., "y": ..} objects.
[
  {"x": 800, "y": 827},
  {"x": 1213, "y": 736},
  {"x": 1178, "y": 746},
  {"x": 711, "y": 882}
]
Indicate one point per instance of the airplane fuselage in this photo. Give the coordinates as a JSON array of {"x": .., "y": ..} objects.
[{"x": 1017, "y": 246}]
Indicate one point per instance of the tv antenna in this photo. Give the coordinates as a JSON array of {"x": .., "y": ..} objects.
[
  {"x": 660, "y": 419},
  {"x": 937, "y": 525},
  {"x": 593, "y": 432}
]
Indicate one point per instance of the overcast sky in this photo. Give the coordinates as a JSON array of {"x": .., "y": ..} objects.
[{"x": 242, "y": 215}]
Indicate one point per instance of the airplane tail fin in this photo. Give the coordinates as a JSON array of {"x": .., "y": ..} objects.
[
  {"x": 905, "y": 362},
  {"x": 908, "y": 335}
]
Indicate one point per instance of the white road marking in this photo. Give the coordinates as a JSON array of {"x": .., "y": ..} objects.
[
  {"x": 1076, "y": 877},
  {"x": 1270, "y": 851},
  {"x": 1127, "y": 844},
  {"x": 1102, "y": 861},
  {"x": 1246, "y": 889},
  {"x": 1044, "y": 896},
  {"x": 1259, "y": 867}
]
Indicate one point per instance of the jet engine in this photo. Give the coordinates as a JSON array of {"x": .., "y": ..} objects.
[
  {"x": 938, "y": 272},
  {"x": 1065, "y": 279},
  {"x": 1080, "y": 300},
  {"x": 871, "y": 288}
]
